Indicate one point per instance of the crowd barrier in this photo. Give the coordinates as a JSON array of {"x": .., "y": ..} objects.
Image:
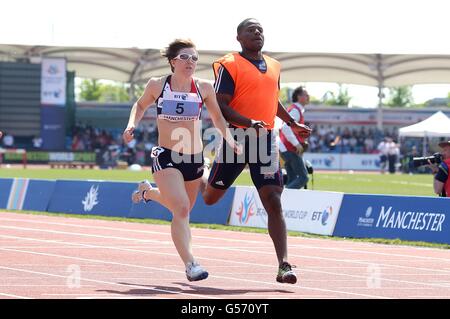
[
  {"x": 344, "y": 161},
  {"x": 308, "y": 211},
  {"x": 5, "y": 190},
  {"x": 99, "y": 198},
  {"x": 201, "y": 213},
  {"x": 407, "y": 218},
  {"x": 38, "y": 194},
  {"x": 92, "y": 197},
  {"x": 326, "y": 213}
]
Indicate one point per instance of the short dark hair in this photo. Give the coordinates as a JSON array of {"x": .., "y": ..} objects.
[
  {"x": 174, "y": 48},
  {"x": 298, "y": 91},
  {"x": 244, "y": 23}
]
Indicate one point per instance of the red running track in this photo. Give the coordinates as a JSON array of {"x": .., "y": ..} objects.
[{"x": 63, "y": 257}]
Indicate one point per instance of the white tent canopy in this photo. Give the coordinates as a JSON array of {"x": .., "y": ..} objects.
[{"x": 437, "y": 125}]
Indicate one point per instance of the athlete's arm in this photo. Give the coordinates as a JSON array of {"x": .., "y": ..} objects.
[
  {"x": 234, "y": 117},
  {"x": 283, "y": 114},
  {"x": 224, "y": 87},
  {"x": 209, "y": 97},
  {"x": 151, "y": 91},
  {"x": 301, "y": 129}
]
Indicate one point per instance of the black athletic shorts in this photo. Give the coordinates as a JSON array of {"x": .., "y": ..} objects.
[
  {"x": 260, "y": 154},
  {"x": 190, "y": 165}
]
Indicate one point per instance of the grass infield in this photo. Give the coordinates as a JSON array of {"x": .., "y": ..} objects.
[{"x": 347, "y": 182}]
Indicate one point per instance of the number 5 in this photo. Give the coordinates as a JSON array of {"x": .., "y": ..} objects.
[{"x": 180, "y": 108}]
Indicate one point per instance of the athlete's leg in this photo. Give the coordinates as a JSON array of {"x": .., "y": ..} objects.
[
  {"x": 192, "y": 188},
  {"x": 173, "y": 194},
  {"x": 215, "y": 183},
  {"x": 269, "y": 183},
  {"x": 154, "y": 194},
  {"x": 212, "y": 195},
  {"x": 270, "y": 196}
]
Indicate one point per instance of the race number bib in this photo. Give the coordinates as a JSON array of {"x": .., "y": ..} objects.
[{"x": 178, "y": 106}]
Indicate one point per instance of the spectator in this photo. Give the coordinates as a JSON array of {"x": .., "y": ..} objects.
[
  {"x": 292, "y": 145},
  {"x": 383, "y": 148},
  {"x": 441, "y": 183},
  {"x": 393, "y": 151},
  {"x": 409, "y": 162}
]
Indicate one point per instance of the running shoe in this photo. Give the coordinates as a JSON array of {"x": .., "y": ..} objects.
[
  {"x": 138, "y": 195},
  {"x": 286, "y": 274},
  {"x": 195, "y": 272}
]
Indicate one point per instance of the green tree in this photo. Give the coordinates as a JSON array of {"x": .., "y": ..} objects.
[
  {"x": 113, "y": 93},
  {"x": 342, "y": 98},
  {"x": 284, "y": 95},
  {"x": 90, "y": 90},
  {"x": 314, "y": 101},
  {"x": 95, "y": 90},
  {"x": 400, "y": 96},
  {"x": 138, "y": 91}
]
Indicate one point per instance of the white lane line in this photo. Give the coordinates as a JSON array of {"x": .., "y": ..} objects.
[
  {"x": 14, "y": 296},
  {"x": 89, "y": 296},
  {"x": 223, "y": 248},
  {"x": 27, "y": 285},
  {"x": 148, "y": 232},
  {"x": 176, "y": 271},
  {"x": 118, "y": 297},
  {"x": 430, "y": 297},
  {"x": 148, "y": 251},
  {"x": 100, "y": 281},
  {"x": 364, "y": 277},
  {"x": 216, "y": 231},
  {"x": 358, "y": 251},
  {"x": 87, "y": 235}
]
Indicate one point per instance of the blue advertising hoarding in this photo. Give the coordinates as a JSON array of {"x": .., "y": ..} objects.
[
  {"x": 38, "y": 195},
  {"x": 201, "y": 213},
  {"x": 5, "y": 188},
  {"x": 214, "y": 214},
  {"x": 150, "y": 209},
  {"x": 407, "y": 218},
  {"x": 92, "y": 197}
]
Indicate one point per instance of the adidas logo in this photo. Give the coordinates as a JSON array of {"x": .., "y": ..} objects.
[
  {"x": 220, "y": 183},
  {"x": 169, "y": 164}
]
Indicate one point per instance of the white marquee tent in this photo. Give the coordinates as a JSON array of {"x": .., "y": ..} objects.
[{"x": 437, "y": 125}]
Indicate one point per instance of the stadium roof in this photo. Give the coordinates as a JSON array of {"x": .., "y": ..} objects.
[{"x": 138, "y": 65}]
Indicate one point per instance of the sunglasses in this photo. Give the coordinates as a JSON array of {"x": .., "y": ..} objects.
[{"x": 186, "y": 56}]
